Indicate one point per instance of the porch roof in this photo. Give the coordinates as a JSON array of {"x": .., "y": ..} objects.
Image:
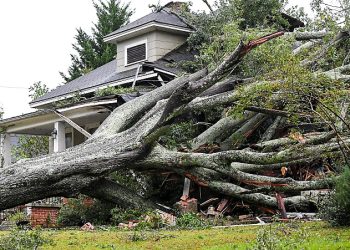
[{"x": 41, "y": 122}]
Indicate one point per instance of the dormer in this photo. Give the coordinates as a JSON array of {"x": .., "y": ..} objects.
[
  {"x": 149, "y": 38},
  {"x": 156, "y": 41}
]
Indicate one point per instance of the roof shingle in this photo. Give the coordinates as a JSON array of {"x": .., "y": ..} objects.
[
  {"x": 162, "y": 17},
  {"x": 91, "y": 79}
]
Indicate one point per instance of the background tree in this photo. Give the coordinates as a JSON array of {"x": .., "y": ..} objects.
[
  {"x": 244, "y": 15},
  {"x": 331, "y": 14},
  {"x": 32, "y": 146},
  {"x": 91, "y": 51},
  {"x": 37, "y": 90}
]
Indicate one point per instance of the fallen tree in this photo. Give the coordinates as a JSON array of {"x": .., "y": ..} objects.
[{"x": 240, "y": 157}]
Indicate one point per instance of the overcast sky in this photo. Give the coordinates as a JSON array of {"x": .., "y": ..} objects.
[{"x": 36, "y": 38}]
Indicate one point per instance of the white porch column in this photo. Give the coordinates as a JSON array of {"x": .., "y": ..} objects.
[
  {"x": 60, "y": 140},
  {"x": 6, "y": 150},
  {"x": 51, "y": 145}
]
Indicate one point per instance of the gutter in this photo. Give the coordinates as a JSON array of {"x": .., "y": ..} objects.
[
  {"x": 152, "y": 24},
  {"x": 93, "y": 89},
  {"x": 49, "y": 111}
]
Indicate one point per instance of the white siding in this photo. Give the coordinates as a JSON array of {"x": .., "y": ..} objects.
[{"x": 158, "y": 44}]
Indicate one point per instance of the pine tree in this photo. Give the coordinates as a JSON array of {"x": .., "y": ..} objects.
[{"x": 91, "y": 51}]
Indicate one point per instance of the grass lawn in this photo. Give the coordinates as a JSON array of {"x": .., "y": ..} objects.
[{"x": 280, "y": 236}]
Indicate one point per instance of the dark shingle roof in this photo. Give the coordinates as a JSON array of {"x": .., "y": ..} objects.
[
  {"x": 162, "y": 17},
  {"x": 91, "y": 79},
  {"x": 98, "y": 77},
  {"x": 180, "y": 54},
  {"x": 106, "y": 74}
]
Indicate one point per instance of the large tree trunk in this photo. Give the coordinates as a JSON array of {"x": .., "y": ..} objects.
[{"x": 128, "y": 140}]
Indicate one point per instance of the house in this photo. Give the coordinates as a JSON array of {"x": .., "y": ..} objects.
[{"x": 147, "y": 50}]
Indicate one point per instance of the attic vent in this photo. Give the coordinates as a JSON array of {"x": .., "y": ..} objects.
[{"x": 136, "y": 53}]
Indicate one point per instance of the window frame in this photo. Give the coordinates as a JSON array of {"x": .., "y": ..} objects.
[{"x": 133, "y": 45}]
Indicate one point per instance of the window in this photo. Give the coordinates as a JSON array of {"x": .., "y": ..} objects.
[{"x": 136, "y": 53}]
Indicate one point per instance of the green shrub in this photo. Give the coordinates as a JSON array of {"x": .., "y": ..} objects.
[
  {"x": 191, "y": 221},
  {"x": 147, "y": 219},
  {"x": 120, "y": 215},
  {"x": 281, "y": 236},
  {"x": 138, "y": 235},
  {"x": 71, "y": 213},
  {"x": 99, "y": 213},
  {"x": 151, "y": 220},
  {"x": 336, "y": 207},
  {"x": 18, "y": 217},
  {"x": 76, "y": 213},
  {"x": 24, "y": 239}
]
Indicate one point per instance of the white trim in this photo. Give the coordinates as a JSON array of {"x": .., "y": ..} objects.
[
  {"x": 50, "y": 119},
  {"x": 112, "y": 84},
  {"x": 165, "y": 72},
  {"x": 87, "y": 105},
  {"x": 73, "y": 124},
  {"x": 160, "y": 79},
  {"x": 146, "y": 26},
  {"x": 126, "y": 47}
]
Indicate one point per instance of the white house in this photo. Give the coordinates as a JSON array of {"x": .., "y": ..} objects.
[{"x": 146, "y": 51}]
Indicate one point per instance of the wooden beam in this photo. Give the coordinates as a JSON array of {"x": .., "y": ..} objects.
[
  {"x": 136, "y": 76},
  {"x": 160, "y": 79},
  {"x": 73, "y": 124}
]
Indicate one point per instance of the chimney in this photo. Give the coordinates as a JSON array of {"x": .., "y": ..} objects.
[{"x": 177, "y": 6}]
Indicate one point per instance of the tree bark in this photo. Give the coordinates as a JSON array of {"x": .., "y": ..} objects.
[
  {"x": 111, "y": 191},
  {"x": 302, "y": 36},
  {"x": 128, "y": 139},
  {"x": 342, "y": 35},
  {"x": 220, "y": 130}
]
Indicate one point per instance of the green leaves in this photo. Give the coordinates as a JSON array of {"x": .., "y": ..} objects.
[
  {"x": 31, "y": 146},
  {"x": 24, "y": 239},
  {"x": 335, "y": 208},
  {"x": 37, "y": 90},
  {"x": 112, "y": 91},
  {"x": 331, "y": 15},
  {"x": 179, "y": 134}
]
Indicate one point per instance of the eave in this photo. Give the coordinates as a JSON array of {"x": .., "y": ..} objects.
[
  {"x": 148, "y": 75},
  {"x": 146, "y": 28},
  {"x": 41, "y": 122}
]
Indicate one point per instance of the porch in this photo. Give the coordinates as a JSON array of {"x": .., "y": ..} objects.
[{"x": 65, "y": 127}]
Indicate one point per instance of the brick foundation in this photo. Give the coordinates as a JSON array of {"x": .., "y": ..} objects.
[{"x": 44, "y": 216}]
